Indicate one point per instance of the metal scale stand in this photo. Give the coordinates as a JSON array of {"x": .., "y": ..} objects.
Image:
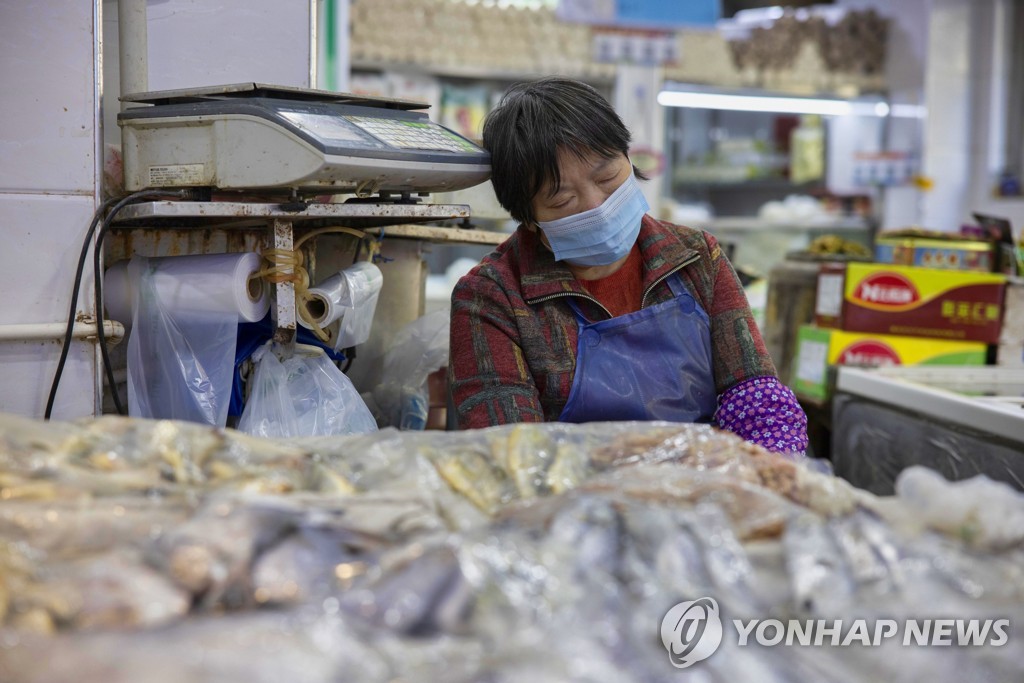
[
  {"x": 281, "y": 224},
  {"x": 284, "y": 143}
]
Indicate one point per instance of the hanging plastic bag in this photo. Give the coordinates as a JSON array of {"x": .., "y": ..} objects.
[
  {"x": 185, "y": 312},
  {"x": 420, "y": 348},
  {"x": 305, "y": 395}
]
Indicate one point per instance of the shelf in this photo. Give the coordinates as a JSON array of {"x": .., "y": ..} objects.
[
  {"x": 476, "y": 73},
  {"x": 442, "y": 235},
  {"x": 749, "y": 184},
  {"x": 249, "y": 214},
  {"x": 754, "y": 223}
]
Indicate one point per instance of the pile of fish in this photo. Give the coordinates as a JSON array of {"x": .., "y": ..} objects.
[{"x": 137, "y": 550}]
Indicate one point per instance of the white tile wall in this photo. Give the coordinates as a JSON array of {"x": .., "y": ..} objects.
[
  {"x": 26, "y": 371},
  {"x": 46, "y": 68},
  {"x": 42, "y": 238},
  {"x": 47, "y": 186}
]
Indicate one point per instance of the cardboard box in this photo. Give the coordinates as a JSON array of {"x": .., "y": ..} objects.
[
  {"x": 818, "y": 349},
  {"x": 936, "y": 253},
  {"x": 923, "y": 302}
]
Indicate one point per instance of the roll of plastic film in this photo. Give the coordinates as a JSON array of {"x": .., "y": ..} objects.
[
  {"x": 184, "y": 312},
  {"x": 117, "y": 293},
  {"x": 324, "y": 306},
  {"x": 345, "y": 303},
  {"x": 212, "y": 283}
]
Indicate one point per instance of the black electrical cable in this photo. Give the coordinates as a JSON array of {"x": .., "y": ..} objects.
[
  {"x": 72, "y": 312},
  {"x": 117, "y": 203},
  {"x": 98, "y": 280}
]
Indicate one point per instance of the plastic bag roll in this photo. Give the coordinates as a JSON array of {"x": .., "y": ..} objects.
[
  {"x": 326, "y": 307},
  {"x": 185, "y": 312},
  {"x": 210, "y": 283},
  {"x": 117, "y": 293},
  {"x": 348, "y": 298}
]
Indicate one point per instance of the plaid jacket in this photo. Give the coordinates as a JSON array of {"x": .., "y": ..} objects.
[{"x": 513, "y": 336}]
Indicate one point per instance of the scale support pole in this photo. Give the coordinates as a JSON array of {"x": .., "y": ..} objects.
[{"x": 283, "y": 294}]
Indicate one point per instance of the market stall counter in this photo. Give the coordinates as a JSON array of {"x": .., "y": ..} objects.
[
  {"x": 168, "y": 551},
  {"x": 960, "y": 421}
]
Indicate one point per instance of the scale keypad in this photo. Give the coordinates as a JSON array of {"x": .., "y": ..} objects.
[{"x": 411, "y": 135}]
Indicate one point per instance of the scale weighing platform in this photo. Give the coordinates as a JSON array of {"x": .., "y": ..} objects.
[{"x": 258, "y": 137}]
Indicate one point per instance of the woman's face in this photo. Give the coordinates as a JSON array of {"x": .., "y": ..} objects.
[{"x": 585, "y": 184}]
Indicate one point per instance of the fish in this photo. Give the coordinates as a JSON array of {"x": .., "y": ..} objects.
[
  {"x": 569, "y": 468},
  {"x": 474, "y": 475},
  {"x": 210, "y": 554},
  {"x": 256, "y": 647},
  {"x": 69, "y": 529},
  {"x": 819, "y": 577},
  {"x": 420, "y": 592},
  {"x": 753, "y": 512},
  {"x": 113, "y": 589},
  {"x": 527, "y": 455}
]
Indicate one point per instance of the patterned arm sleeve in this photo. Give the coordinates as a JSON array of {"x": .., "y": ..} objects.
[
  {"x": 764, "y": 411},
  {"x": 738, "y": 350},
  {"x": 487, "y": 373}
]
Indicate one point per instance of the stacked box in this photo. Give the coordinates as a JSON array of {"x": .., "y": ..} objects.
[
  {"x": 872, "y": 314},
  {"x": 911, "y": 301},
  {"x": 924, "y": 252},
  {"x": 820, "y": 348}
]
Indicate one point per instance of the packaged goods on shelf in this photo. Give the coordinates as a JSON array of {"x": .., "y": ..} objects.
[{"x": 819, "y": 348}]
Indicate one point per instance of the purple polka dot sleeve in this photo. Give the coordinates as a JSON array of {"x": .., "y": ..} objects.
[{"x": 764, "y": 411}]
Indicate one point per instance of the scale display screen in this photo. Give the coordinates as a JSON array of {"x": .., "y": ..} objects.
[{"x": 329, "y": 128}]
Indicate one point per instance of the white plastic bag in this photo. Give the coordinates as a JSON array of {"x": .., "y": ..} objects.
[
  {"x": 419, "y": 348},
  {"x": 185, "y": 314},
  {"x": 364, "y": 283},
  {"x": 305, "y": 395}
]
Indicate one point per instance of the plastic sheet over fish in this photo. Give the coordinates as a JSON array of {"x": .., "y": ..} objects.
[{"x": 161, "y": 551}]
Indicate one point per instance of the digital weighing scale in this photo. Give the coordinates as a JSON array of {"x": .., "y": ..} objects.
[{"x": 257, "y": 137}]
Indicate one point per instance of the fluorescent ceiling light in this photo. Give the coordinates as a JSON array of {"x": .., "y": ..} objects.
[{"x": 783, "y": 105}]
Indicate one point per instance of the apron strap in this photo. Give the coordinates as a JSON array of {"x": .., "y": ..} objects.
[
  {"x": 675, "y": 283},
  {"x": 580, "y": 318}
]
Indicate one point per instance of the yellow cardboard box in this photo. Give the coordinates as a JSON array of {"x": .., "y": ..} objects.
[
  {"x": 923, "y": 302},
  {"x": 819, "y": 348}
]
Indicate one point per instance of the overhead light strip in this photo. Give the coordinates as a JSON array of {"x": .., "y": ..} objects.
[{"x": 784, "y": 105}]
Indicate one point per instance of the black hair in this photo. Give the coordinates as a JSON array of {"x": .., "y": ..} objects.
[{"x": 532, "y": 122}]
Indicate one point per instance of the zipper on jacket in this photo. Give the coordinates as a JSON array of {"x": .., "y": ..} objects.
[
  {"x": 561, "y": 294},
  {"x": 692, "y": 259}
]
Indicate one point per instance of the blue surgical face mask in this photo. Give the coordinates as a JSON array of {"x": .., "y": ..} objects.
[{"x": 602, "y": 235}]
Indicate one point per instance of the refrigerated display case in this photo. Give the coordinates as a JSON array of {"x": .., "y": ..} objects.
[{"x": 960, "y": 421}]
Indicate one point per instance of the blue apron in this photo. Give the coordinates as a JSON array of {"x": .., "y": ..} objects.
[{"x": 652, "y": 364}]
